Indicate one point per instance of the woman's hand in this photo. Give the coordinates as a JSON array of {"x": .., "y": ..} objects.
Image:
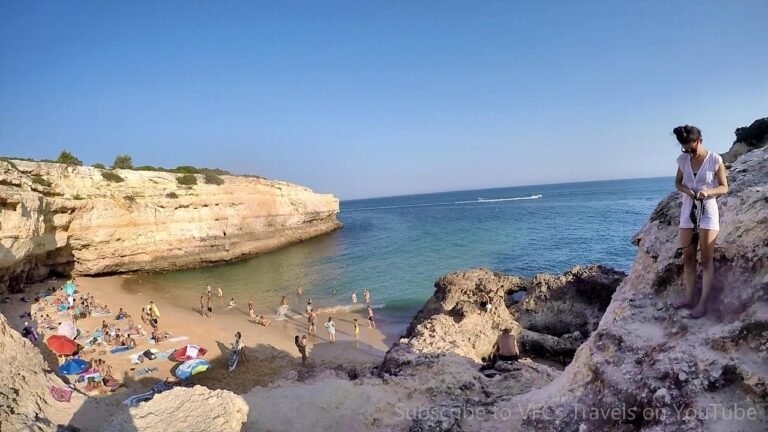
[
  {"x": 691, "y": 193},
  {"x": 702, "y": 195}
]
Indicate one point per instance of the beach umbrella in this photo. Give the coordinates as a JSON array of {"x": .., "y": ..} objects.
[
  {"x": 188, "y": 352},
  {"x": 69, "y": 288},
  {"x": 61, "y": 344},
  {"x": 73, "y": 366},
  {"x": 191, "y": 367},
  {"x": 67, "y": 329}
]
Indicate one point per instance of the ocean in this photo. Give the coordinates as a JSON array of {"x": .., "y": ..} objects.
[{"x": 397, "y": 246}]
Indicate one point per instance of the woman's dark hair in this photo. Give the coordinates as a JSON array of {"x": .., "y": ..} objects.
[{"x": 687, "y": 134}]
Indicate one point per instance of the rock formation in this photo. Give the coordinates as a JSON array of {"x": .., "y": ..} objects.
[
  {"x": 196, "y": 409},
  {"x": 25, "y": 402},
  {"x": 64, "y": 219}
]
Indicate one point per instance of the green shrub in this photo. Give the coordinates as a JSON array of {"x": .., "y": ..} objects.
[
  {"x": 211, "y": 178},
  {"x": 78, "y": 197},
  {"x": 187, "y": 179},
  {"x": 130, "y": 198},
  {"x": 111, "y": 176},
  {"x": 68, "y": 158},
  {"x": 123, "y": 162},
  {"x": 172, "y": 195},
  {"x": 99, "y": 166},
  {"x": 40, "y": 180},
  {"x": 146, "y": 168}
]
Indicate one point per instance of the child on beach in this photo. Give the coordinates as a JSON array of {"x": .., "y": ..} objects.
[
  {"x": 231, "y": 303},
  {"x": 263, "y": 321},
  {"x": 367, "y": 296},
  {"x": 250, "y": 308},
  {"x": 371, "y": 322},
  {"x": 357, "y": 328},
  {"x": 219, "y": 292},
  {"x": 331, "y": 327}
]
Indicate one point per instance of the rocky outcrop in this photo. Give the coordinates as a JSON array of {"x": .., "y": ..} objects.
[
  {"x": 196, "y": 409},
  {"x": 25, "y": 401},
  {"x": 748, "y": 138},
  {"x": 64, "y": 219}
]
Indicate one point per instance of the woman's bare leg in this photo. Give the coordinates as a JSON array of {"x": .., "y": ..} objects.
[
  {"x": 707, "y": 244},
  {"x": 689, "y": 269}
]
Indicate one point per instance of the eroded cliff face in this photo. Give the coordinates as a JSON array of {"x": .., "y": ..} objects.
[{"x": 86, "y": 224}]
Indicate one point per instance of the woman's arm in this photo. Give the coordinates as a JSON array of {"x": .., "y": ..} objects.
[
  {"x": 722, "y": 179},
  {"x": 679, "y": 185}
]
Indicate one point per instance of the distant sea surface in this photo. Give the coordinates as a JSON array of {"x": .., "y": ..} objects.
[{"x": 397, "y": 246}]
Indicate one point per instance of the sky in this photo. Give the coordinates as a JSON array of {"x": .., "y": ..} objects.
[{"x": 381, "y": 98}]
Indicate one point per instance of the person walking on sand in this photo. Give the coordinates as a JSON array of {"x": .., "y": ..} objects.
[
  {"x": 250, "y": 309},
  {"x": 202, "y": 306},
  {"x": 309, "y": 307},
  {"x": 357, "y": 328},
  {"x": 209, "y": 308},
  {"x": 154, "y": 313},
  {"x": 371, "y": 322},
  {"x": 238, "y": 345},
  {"x": 354, "y": 296},
  {"x": 312, "y": 319},
  {"x": 331, "y": 327},
  {"x": 701, "y": 178},
  {"x": 219, "y": 292},
  {"x": 301, "y": 345},
  {"x": 367, "y": 296}
]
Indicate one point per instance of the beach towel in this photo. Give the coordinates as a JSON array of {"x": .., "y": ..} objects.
[
  {"x": 165, "y": 354},
  {"x": 145, "y": 371},
  {"x": 119, "y": 350},
  {"x": 100, "y": 314},
  {"x": 178, "y": 338},
  {"x": 61, "y": 394},
  {"x": 137, "y": 399}
]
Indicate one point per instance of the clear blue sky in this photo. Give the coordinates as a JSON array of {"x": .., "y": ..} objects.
[{"x": 372, "y": 98}]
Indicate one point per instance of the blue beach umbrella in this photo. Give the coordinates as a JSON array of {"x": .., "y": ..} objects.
[
  {"x": 191, "y": 367},
  {"x": 69, "y": 288},
  {"x": 73, "y": 366}
]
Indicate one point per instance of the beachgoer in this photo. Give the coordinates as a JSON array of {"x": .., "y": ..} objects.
[
  {"x": 367, "y": 296},
  {"x": 357, "y": 328},
  {"x": 209, "y": 308},
  {"x": 208, "y": 288},
  {"x": 301, "y": 345},
  {"x": 309, "y": 307},
  {"x": 312, "y": 322},
  {"x": 331, "y": 327},
  {"x": 283, "y": 301},
  {"x": 506, "y": 346},
  {"x": 250, "y": 309},
  {"x": 700, "y": 177},
  {"x": 371, "y": 322},
  {"x": 263, "y": 321},
  {"x": 144, "y": 318},
  {"x": 333, "y": 291},
  {"x": 231, "y": 303},
  {"x": 354, "y": 296},
  {"x": 299, "y": 291},
  {"x": 239, "y": 345},
  {"x": 219, "y": 292},
  {"x": 202, "y": 306},
  {"x": 485, "y": 302},
  {"x": 281, "y": 311},
  {"x": 154, "y": 313}
]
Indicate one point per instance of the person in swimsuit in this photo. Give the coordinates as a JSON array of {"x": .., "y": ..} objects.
[
  {"x": 209, "y": 307},
  {"x": 331, "y": 327},
  {"x": 701, "y": 177},
  {"x": 202, "y": 306},
  {"x": 301, "y": 345},
  {"x": 371, "y": 322},
  {"x": 367, "y": 296},
  {"x": 357, "y": 328},
  {"x": 354, "y": 296},
  {"x": 312, "y": 322},
  {"x": 250, "y": 309}
]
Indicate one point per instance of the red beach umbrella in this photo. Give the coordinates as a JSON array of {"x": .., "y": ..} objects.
[{"x": 61, "y": 344}]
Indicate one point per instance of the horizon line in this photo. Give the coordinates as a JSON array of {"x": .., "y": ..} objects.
[{"x": 502, "y": 187}]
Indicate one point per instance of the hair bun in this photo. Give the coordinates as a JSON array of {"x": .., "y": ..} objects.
[{"x": 687, "y": 134}]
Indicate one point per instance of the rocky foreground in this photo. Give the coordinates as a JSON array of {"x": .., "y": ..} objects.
[
  {"x": 59, "y": 220},
  {"x": 632, "y": 362}
]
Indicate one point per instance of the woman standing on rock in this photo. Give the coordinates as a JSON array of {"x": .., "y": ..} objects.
[{"x": 701, "y": 178}]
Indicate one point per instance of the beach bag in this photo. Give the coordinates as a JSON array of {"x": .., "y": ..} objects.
[{"x": 149, "y": 355}]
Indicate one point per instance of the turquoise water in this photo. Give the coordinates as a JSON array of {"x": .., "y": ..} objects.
[{"x": 397, "y": 246}]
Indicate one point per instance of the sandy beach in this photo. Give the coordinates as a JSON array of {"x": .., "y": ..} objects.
[{"x": 269, "y": 352}]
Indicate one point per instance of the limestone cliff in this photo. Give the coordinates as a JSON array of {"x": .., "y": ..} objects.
[{"x": 59, "y": 218}]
